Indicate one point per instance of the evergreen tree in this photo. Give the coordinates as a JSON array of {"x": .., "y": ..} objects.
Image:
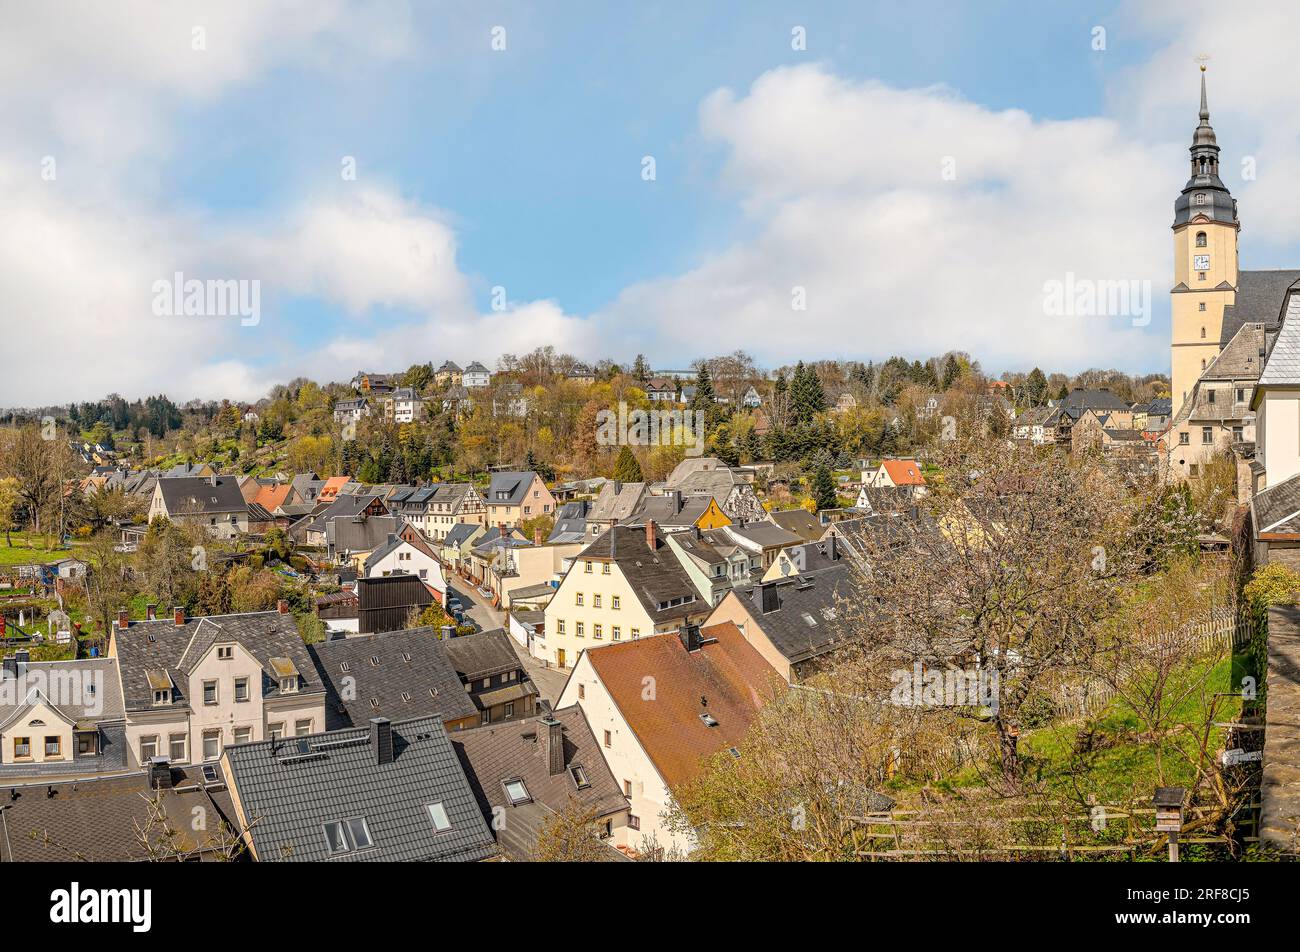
[
  {"x": 1035, "y": 388},
  {"x": 951, "y": 371},
  {"x": 626, "y": 467},
  {"x": 641, "y": 369},
  {"x": 823, "y": 489}
]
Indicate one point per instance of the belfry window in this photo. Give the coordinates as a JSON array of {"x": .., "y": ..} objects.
[
  {"x": 1200, "y": 198},
  {"x": 1200, "y": 239}
]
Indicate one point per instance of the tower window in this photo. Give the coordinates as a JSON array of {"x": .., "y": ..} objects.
[
  {"x": 1200, "y": 239},
  {"x": 1202, "y": 305},
  {"x": 1200, "y": 276},
  {"x": 1202, "y": 363},
  {"x": 1202, "y": 335},
  {"x": 1200, "y": 198}
]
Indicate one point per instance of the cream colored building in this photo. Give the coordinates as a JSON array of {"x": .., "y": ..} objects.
[{"x": 193, "y": 685}]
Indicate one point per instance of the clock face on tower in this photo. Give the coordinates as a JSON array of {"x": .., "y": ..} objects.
[{"x": 1201, "y": 262}]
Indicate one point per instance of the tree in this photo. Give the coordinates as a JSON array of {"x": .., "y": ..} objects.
[
  {"x": 823, "y": 489},
  {"x": 626, "y": 467},
  {"x": 8, "y": 506},
  {"x": 571, "y": 836},
  {"x": 640, "y": 369},
  {"x": 1035, "y": 388},
  {"x": 39, "y": 465}
]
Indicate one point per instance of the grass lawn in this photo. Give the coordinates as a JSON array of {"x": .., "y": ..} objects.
[{"x": 22, "y": 552}]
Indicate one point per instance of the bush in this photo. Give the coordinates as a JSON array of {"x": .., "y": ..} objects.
[{"x": 1274, "y": 584}]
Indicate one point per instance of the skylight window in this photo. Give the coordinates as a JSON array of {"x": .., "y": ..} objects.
[
  {"x": 579, "y": 776},
  {"x": 517, "y": 792},
  {"x": 709, "y": 720},
  {"x": 438, "y": 817},
  {"x": 347, "y": 836},
  {"x": 809, "y": 620}
]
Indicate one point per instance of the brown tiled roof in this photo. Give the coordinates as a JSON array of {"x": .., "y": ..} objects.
[{"x": 726, "y": 672}]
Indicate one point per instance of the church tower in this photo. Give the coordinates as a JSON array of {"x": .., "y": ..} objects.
[{"x": 1205, "y": 261}]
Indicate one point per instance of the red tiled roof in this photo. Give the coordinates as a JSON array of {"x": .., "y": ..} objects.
[
  {"x": 904, "y": 472},
  {"x": 734, "y": 679}
]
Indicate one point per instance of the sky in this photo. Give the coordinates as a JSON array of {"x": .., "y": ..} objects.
[{"x": 410, "y": 182}]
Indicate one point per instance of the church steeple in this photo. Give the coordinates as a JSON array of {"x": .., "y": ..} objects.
[{"x": 1205, "y": 195}]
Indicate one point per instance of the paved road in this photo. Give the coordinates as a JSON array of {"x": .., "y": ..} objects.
[{"x": 549, "y": 681}]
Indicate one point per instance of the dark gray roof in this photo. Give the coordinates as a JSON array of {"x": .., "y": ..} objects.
[
  {"x": 616, "y": 501},
  {"x": 673, "y": 511},
  {"x": 515, "y": 750},
  {"x": 1277, "y": 507},
  {"x": 1282, "y": 368},
  {"x": 804, "y": 621},
  {"x": 58, "y": 684},
  {"x": 345, "y": 504},
  {"x": 413, "y": 677},
  {"x": 1259, "y": 300},
  {"x": 509, "y": 488},
  {"x": 763, "y": 534},
  {"x": 198, "y": 496},
  {"x": 459, "y": 533},
  {"x": 799, "y": 521},
  {"x": 99, "y": 820},
  {"x": 483, "y": 654},
  {"x": 655, "y": 576},
  {"x": 290, "y": 789},
  {"x": 1093, "y": 400},
  {"x": 163, "y": 645}
]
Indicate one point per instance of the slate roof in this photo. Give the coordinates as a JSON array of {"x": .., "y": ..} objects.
[
  {"x": 97, "y": 820},
  {"x": 163, "y": 645},
  {"x": 1079, "y": 399},
  {"x": 345, "y": 504},
  {"x": 476, "y": 368},
  {"x": 616, "y": 501},
  {"x": 514, "y": 750},
  {"x": 726, "y": 672},
  {"x": 763, "y": 534},
  {"x": 670, "y": 511},
  {"x": 57, "y": 683},
  {"x": 482, "y": 655},
  {"x": 804, "y": 623},
  {"x": 361, "y": 533},
  {"x": 290, "y": 788},
  {"x": 414, "y": 677},
  {"x": 655, "y": 576},
  {"x": 448, "y": 367},
  {"x": 801, "y": 522},
  {"x": 197, "y": 496},
  {"x": 1259, "y": 300},
  {"x": 1282, "y": 368},
  {"x": 1277, "y": 508},
  {"x": 514, "y": 485},
  {"x": 459, "y": 533}
]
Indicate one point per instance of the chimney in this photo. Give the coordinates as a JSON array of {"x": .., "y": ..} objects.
[
  {"x": 282, "y": 606},
  {"x": 392, "y": 538},
  {"x": 151, "y": 612},
  {"x": 21, "y": 657},
  {"x": 213, "y": 480},
  {"x": 10, "y": 668},
  {"x": 650, "y": 538},
  {"x": 768, "y": 601},
  {"x": 618, "y": 486},
  {"x": 690, "y": 637},
  {"x": 831, "y": 550},
  {"x": 178, "y": 615},
  {"x": 537, "y": 536},
  {"x": 551, "y": 735},
  {"x": 122, "y": 619},
  {"x": 675, "y": 495},
  {"x": 381, "y": 739},
  {"x": 160, "y": 773}
]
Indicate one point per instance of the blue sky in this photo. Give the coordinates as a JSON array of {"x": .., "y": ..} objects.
[{"x": 775, "y": 168}]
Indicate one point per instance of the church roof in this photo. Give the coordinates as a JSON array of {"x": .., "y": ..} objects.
[
  {"x": 1261, "y": 296},
  {"x": 1282, "y": 368}
]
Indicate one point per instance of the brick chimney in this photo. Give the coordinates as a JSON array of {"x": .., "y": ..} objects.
[
  {"x": 151, "y": 612},
  {"x": 690, "y": 637},
  {"x": 282, "y": 606},
  {"x": 122, "y": 619},
  {"x": 551, "y": 735},
  {"x": 178, "y": 614},
  {"x": 650, "y": 534},
  {"x": 537, "y": 536},
  {"x": 381, "y": 739}
]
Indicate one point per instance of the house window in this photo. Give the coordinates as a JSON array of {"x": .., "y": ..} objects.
[
  {"x": 578, "y": 600},
  {"x": 627, "y": 788},
  {"x": 582, "y": 691},
  {"x": 510, "y": 709},
  {"x": 302, "y": 728},
  {"x": 53, "y": 746},
  {"x": 586, "y": 567},
  {"x": 438, "y": 817},
  {"x": 1209, "y": 396},
  {"x": 579, "y": 776},
  {"x": 243, "y": 735},
  {"x": 148, "y": 748},
  {"x": 598, "y": 631},
  {"x": 608, "y": 738},
  {"x": 616, "y": 632},
  {"x": 289, "y": 685},
  {"x": 176, "y": 748},
  {"x": 23, "y": 747},
  {"x": 516, "y": 791},
  {"x": 615, "y": 602},
  {"x": 595, "y": 601},
  {"x": 241, "y": 689},
  {"x": 579, "y": 630},
  {"x": 636, "y": 632},
  {"x": 211, "y": 745},
  {"x": 275, "y": 731},
  {"x": 1237, "y": 434},
  {"x": 633, "y": 822},
  {"x": 87, "y": 743},
  {"x": 559, "y": 626},
  {"x": 162, "y": 697},
  {"x": 1241, "y": 395},
  {"x": 225, "y": 652},
  {"x": 209, "y": 692},
  {"x": 1207, "y": 435},
  {"x": 1184, "y": 439},
  {"x": 346, "y": 836},
  {"x": 604, "y": 568},
  {"x": 485, "y": 717}
]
